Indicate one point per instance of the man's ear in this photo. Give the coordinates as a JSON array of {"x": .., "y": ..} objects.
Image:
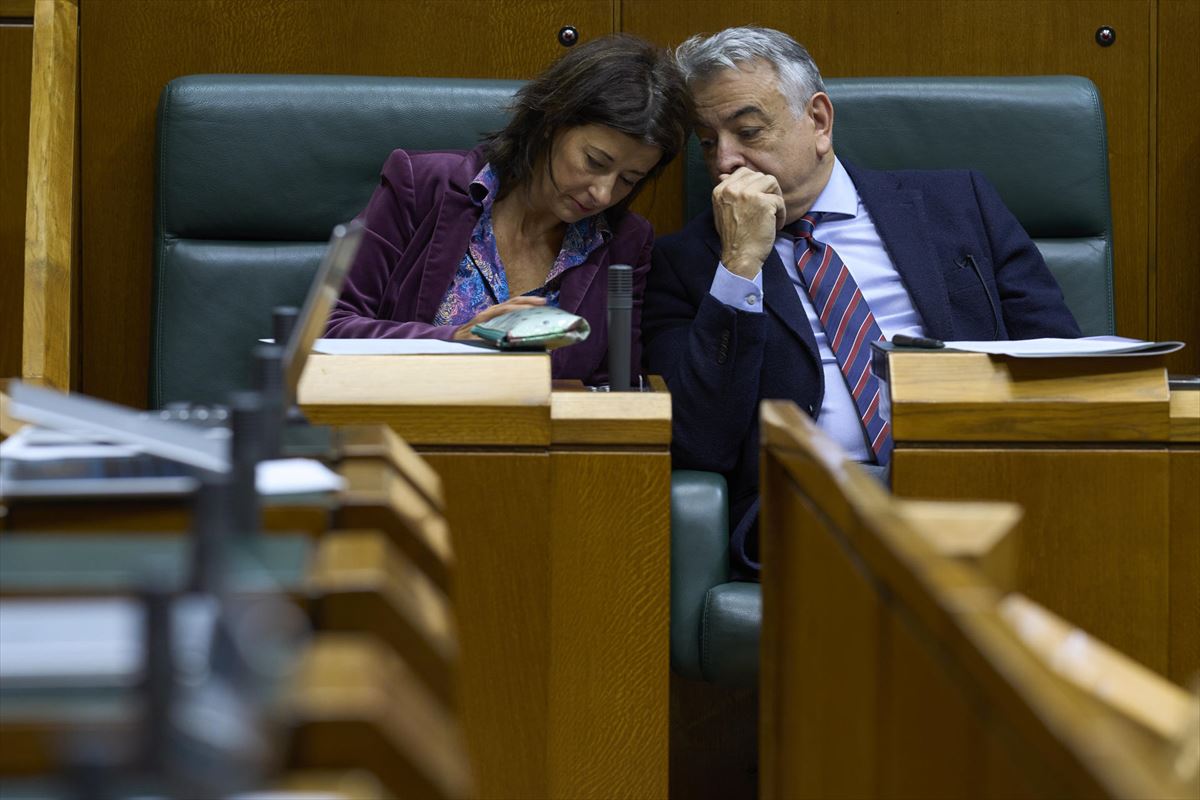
[{"x": 820, "y": 112}]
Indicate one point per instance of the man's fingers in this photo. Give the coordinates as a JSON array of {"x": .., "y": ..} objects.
[{"x": 746, "y": 183}]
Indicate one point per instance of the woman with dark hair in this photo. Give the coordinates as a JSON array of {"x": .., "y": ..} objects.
[{"x": 532, "y": 216}]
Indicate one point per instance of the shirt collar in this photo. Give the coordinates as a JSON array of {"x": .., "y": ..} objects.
[
  {"x": 486, "y": 185},
  {"x": 839, "y": 195}
]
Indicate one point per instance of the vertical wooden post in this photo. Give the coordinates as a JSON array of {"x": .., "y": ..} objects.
[{"x": 50, "y": 195}]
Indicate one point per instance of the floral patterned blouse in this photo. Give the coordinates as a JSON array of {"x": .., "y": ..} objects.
[{"x": 480, "y": 281}]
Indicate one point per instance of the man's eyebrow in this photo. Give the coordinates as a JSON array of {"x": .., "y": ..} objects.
[{"x": 742, "y": 112}]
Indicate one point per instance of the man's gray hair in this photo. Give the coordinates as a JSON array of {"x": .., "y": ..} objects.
[{"x": 700, "y": 57}]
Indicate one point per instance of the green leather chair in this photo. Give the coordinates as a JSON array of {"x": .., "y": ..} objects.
[
  {"x": 1041, "y": 141},
  {"x": 253, "y": 172}
]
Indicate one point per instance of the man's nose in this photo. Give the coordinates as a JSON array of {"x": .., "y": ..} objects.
[{"x": 728, "y": 157}]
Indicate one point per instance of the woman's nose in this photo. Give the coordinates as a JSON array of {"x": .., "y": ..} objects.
[{"x": 602, "y": 190}]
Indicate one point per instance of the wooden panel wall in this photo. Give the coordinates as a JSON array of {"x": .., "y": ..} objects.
[
  {"x": 131, "y": 48},
  {"x": 1176, "y": 269},
  {"x": 983, "y": 37},
  {"x": 16, "y": 60}
]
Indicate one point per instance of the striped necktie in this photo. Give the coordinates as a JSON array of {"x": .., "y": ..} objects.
[{"x": 849, "y": 327}]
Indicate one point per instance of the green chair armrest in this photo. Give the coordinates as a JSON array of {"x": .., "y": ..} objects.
[
  {"x": 699, "y": 559},
  {"x": 731, "y": 629}
]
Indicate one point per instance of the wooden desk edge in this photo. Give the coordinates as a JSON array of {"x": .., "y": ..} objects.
[
  {"x": 1185, "y": 416},
  {"x": 583, "y": 417}
]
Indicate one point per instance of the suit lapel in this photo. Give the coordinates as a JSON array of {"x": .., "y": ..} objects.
[
  {"x": 782, "y": 302},
  {"x": 904, "y": 228}
]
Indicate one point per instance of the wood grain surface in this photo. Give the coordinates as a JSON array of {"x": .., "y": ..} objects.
[
  {"x": 1175, "y": 257},
  {"x": 499, "y": 510},
  {"x": 1146, "y": 699},
  {"x": 956, "y": 704},
  {"x": 353, "y": 703},
  {"x": 609, "y": 621},
  {"x": 130, "y": 49},
  {"x": 47, "y": 352},
  {"x": 434, "y": 400},
  {"x": 582, "y": 417},
  {"x": 377, "y": 496},
  {"x": 1185, "y": 416},
  {"x": 358, "y": 581},
  {"x": 1094, "y": 542},
  {"x": 1185, "y": 565},
  {"x": 939, "y": 762},
  {"x": 16, "y": 61},
  {"x": 381, "y": 442},
  {"x": 975, "y": 397},
  {"x": 16, "y": 9},
  {"x": 979, "y": 534},
  {"x": 806, "y": 701}
]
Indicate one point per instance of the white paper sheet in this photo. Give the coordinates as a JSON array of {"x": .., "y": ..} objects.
[
  {"x": 296, "y": 476},
  {"x": 1052, "y": 348},
  {"x": 37, "y": 444},
  {"x": 397, "y": 347}
]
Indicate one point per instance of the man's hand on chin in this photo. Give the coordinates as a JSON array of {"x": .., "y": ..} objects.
[{"x": 749, "y": 211}]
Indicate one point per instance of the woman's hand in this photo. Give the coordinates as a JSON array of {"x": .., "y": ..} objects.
[{"x": 515, "y": 304}]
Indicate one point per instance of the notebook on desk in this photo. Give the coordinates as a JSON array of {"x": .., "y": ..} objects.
[{"x": 86, "y": 447}]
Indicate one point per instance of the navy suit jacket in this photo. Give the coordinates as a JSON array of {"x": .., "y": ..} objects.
[{"x": 719, "y": 362}]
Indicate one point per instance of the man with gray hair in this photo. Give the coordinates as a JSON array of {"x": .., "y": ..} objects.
[{"x": 804, "y": 260}]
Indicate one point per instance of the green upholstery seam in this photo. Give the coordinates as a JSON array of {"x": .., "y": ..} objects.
[
  {"x": 704, "y": 637},
  {"x": 162, "y": 249}
]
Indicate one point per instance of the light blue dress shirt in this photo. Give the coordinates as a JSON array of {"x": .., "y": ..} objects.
[{"x": 853, "y": 235}]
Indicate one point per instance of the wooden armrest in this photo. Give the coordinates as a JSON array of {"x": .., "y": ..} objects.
[
  {"x": 1106, "y": 674},
  {"x": 978, "y": 534}
]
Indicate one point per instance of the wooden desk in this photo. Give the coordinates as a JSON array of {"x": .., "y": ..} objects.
[
  {"x": 893, "y": 666},
  {"x": 1105, "y": 461},
  {"x": 558, "y": 504}
]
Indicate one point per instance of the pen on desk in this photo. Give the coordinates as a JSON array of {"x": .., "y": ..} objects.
[{"x": 923, "y": 342}]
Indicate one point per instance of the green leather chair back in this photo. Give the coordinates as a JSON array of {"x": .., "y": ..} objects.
[
  {"x": 1040, "y": 140},
  {"x": 253, "y": 172}
]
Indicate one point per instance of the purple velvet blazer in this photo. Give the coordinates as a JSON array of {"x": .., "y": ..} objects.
[{"x": 418, "y": 223}]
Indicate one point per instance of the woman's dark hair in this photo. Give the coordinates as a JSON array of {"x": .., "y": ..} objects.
[{"x": 620, "y": 81}]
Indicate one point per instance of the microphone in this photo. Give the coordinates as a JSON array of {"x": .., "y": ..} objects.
[{"x": 620, "y": 325}]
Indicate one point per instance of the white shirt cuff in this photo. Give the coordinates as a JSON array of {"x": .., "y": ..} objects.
[{"x": 736, "y": 291}]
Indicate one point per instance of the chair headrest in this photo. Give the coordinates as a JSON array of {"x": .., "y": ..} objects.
[{"x": 286, "y": 157}]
